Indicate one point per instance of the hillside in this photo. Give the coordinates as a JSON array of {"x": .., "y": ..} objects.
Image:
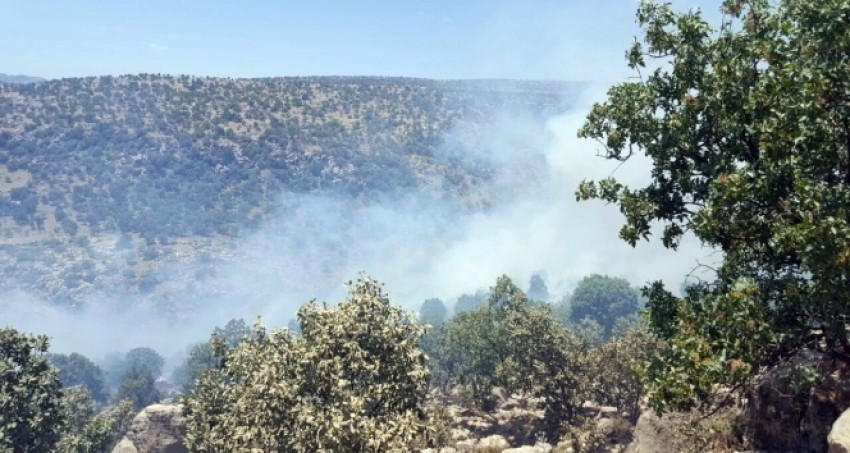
[
  {"x": 9, "y": 78},
  {"x": 101, "y": 176}
]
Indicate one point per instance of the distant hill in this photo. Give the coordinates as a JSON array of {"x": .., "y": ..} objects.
[
  {"x": 149, "y": 160},
  {"x": 8, "y": 78}
]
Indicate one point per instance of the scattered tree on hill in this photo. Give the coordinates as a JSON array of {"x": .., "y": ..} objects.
[
  {"x": 354, "y": 381},
  {"x": 77, "y": 369},
  {"x": 604, "y": 300},
  {"x": 30, "y": 394},
  {"x": 478, "y": 340},
  {"x": 113, "y": 367},
  {"x": 747, "y": 128}
]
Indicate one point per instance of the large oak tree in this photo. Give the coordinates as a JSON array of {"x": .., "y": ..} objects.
[{"x": 748, "y": 130}]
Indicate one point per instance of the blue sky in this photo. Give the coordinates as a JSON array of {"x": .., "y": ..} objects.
[{"x": 534, "y": 39}]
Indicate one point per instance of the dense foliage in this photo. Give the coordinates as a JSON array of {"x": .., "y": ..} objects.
[
  {"x": 76, "y": 369},
  {"x": 30, "y": 394},
  {"x": 604, "y": 300},
  {"x": 202, "y": 357},
  {"x": 144, "y": 357},
  {"x": 747, "y": 130},
  {"x": 355, "y": 380},
  {"x": 433, "y": 312},
  {"x": 518, "y": 345},
  {"x": 85, "y": 430},
  {"x": 38, "y": 415},
  {"x": 138, "y": 385}
]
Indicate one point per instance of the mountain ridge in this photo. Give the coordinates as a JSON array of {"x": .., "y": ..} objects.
[
  {"x": 19, "y": 78},
  {"x": 152, "y": 163}
]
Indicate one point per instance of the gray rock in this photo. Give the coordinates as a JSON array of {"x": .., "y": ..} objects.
[
  {"x": 492, "y": 444},
  {"x": 839, "y": 436},
  {"x": 653, "y": 435},
  {"x": 466, "y": 445},
  {"x": 159, "y": 428},
  {"x": 540, "y": 447},
  {"x": 608, "y": 411}
]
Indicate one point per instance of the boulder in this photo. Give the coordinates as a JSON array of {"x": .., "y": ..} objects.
[
  {"x": 783, "y": 415},
  {"x": 653, "y": 435},
  {"x": 540, "y": 447},
  {"x": 466, "y": 445},
  {"x": 492, "y": 444},
  {"x": 839, "y": 436},
  {"x": 608, "y": 411},
  {"x": 159, "y": 428}
]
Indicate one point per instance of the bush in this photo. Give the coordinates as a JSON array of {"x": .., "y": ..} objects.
[
  {"x": 514, "y": 343},
  {"x": 355, "y": 381}
]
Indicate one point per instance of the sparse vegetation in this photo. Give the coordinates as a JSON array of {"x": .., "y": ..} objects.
[{"x": 145, "y": 163}]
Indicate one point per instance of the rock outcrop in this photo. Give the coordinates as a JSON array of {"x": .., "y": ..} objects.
[
  {"x": 839, "y": 436},
  {"x": 788, "y": 412},
  {"x": 159, "y": 428},
  {"x": 653, "y": 435}
]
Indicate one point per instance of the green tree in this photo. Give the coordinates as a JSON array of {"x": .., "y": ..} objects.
[
  {"x": 139, "y": 386},
  {"x": 146, "y": 357},
  {"x": 748, "y": 131},
  {"x": 77, "y": 369},
  {"x": 519, "y": 345},
  {"x": 537, "y": 289},
  {"x": 354, "y": 381},
  {"x": 87, "y": 431},
  {"x": 234, "y": 331},
  {"x": 433, "y": 312},
  {"x": 202, "y": 357},
  {"x": 478, "y": 339},
  {"x": 604, "y": 300},
  {"x": 468, "y": 302},
  {"x": 30, "y": 394}
]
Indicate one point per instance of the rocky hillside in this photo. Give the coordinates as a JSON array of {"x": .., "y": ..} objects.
[{"x": 91, "y": 168}]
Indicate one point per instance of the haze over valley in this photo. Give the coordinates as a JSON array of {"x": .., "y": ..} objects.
[{"x": 143, "y": 200}]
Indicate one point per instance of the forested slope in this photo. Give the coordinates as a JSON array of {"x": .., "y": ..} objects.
[{"x": 149, "y": 160}]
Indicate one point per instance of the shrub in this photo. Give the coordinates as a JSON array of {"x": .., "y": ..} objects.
[{"x": 354, "y": 381}]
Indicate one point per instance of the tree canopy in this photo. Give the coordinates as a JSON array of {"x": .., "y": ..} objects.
[
  {"x": 77, "y": 369},
  {"x": 30, "y": 394},
  {"x": 433, "y": 312},
  {"x": 146, "y": 357},
  {"x": 355, "y": 380},
  {"x": 537, "y": 289},
  {"x": 604, "y": 300},
  {"x": 139, "y": 386},
  {"x": 748, "y": 130}
]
